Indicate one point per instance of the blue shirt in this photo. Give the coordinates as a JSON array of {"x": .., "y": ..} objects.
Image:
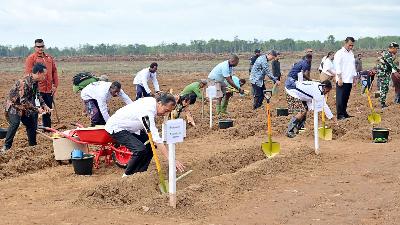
[
  {"x": 259, "y": 70},
  {"x": 301, "y": 66},
  {"x": 236, "y": 81},
  {"x": 293, "y": 76},
  {"x": 221, "y": 71}
]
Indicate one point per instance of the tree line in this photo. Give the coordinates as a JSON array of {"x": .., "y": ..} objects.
[{"x": 200, "y": 46}]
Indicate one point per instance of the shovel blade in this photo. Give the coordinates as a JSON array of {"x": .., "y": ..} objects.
[
  {"x": 374, "y": 118},
  {"x": 325, "y": 135},
  {"x": 271, "y": 150}
]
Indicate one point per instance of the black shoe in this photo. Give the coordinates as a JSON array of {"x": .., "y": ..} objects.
[
  {"x": 348, "y": 116},
  {"x": 291, "y": 134},
  {"x": 341, "y": 118},
  {"x": 384, "y": 106}
]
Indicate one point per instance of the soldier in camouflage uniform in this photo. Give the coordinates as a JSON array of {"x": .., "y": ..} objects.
[{"x": 386, "y": 67}]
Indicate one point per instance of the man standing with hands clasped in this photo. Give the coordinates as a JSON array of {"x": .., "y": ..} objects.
[
  {"x": 48, "y": 86},
  {"x": 345, "y": 72}
]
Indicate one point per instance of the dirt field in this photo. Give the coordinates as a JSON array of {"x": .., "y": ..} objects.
[{"x": 352, "y": 181}]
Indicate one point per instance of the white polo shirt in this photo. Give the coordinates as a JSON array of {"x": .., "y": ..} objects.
[
  {"x": 307, "y": 91},
  {"x": 142, "y": 78},
  {"x": 129, "y": 118},
  {"x": 328, "y": 65},
  {"x": 344, "y": 64},
  {"x": 99, "y": 91}
]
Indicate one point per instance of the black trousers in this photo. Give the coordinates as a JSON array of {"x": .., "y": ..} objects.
[
  {"x": 48, "y": 99},
  {"x": 258, "y": 93},
  {"x": 342, "y": 98},
  {"x": 142, "y": 154},
  {"x": 30, "y": 123}
]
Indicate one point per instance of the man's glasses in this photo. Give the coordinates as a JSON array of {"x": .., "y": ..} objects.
[{"x": 39, "y": 46}]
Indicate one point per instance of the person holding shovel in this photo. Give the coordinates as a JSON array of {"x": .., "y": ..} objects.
[
  {"x": 305, "y": 93},
  {"x": 48, "y": 86},
  {"x": 257, "y": 76},
  {"x": 23, "y": 104},
  {"x": 386, "y": 67},
  {"x": 219, "y": 74},
  {"x": 95, "y": 97},
  {"x": 126, "y": 128}
]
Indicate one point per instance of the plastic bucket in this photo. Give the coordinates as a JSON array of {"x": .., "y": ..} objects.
[
  {"x": 83, "y": 166},
  {"x": 282, "y": 112},
  {"x": 76, "y": 154},
  {"x": 380, "y": 135},
  {"x": 223, "y": 124}
]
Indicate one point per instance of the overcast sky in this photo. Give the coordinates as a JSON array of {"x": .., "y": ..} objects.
[{"x": 72, "y": 22}]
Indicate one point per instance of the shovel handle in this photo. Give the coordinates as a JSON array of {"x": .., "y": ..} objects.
[
  {"x": 146, "y": 123},
  {"x": 369, "y": 100}
]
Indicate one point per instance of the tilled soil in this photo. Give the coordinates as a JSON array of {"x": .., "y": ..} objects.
[{"x": 231, "y": 180}]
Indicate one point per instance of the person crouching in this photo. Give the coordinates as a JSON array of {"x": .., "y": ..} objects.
[
  {"x": 303, "y": 93},
  {"x": 127, "y": 129}
]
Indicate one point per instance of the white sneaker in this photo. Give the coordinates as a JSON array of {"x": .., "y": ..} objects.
[{"x": 124, "y": 175}]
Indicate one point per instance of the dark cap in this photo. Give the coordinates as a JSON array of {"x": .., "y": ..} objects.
[
  {"x": 257, "y": 51},
  {"x": 394, "y": 45},
  {"x": 273, "y": 52}
]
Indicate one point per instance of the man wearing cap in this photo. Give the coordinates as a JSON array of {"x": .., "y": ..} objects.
[
  {"x": 386, "y": 67},
  {"x": 48, "y": 86},
  {"x": 253, "y": 59},
  {"x": 257, "y": 76}
]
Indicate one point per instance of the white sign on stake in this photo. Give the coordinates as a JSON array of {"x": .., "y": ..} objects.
[
  {"x": 175, "y": 131},
  {"x": 211, "y": 93},
  {"x": 316, "y": 144}
]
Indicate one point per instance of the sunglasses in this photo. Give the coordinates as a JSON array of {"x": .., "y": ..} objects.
[{"x": 39, "y": 46}]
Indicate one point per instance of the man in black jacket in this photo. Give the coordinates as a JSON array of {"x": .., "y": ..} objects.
[
  {"x": 276, "y": 67},
  {"x": 253, "y": 59}
]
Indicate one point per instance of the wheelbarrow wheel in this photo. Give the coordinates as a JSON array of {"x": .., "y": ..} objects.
[{"x": 122, "y": 158}]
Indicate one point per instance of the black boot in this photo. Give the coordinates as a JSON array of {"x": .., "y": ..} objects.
[
  {"x": 292, "y": 128},
  {"x": 301, "y": 124}
]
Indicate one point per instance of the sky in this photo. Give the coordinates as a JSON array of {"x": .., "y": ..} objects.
[{"x": 70, "y": 23}]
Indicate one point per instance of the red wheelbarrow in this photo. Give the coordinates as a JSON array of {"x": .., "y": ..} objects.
[{"x": 98, "y": 137}]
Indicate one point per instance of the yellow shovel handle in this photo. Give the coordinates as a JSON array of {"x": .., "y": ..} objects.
[
  {"x": 369, "y": 99},
  {"x": 269, "y": 122},
  {"x": 153, "y": 149}
]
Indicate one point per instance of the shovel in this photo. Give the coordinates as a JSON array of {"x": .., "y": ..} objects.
[
  {"x": 270, "y": 148},
  {"x": 323, "y": 132},
  {"x": 373, "y": 117},
  {"x": 162, "y": 185},
  {"x": 177, "y": 179}
]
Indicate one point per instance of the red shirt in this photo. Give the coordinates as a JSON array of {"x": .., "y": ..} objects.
[{"x": 51, "y": 80}]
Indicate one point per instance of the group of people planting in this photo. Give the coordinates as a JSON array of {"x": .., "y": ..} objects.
[{"x": 33, "y": 95}]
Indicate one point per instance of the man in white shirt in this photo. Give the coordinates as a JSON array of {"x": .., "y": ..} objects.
[
  {"x": 126, "y": 128},
  {"x": 306, "y": 92},
  {"x": 328, "y": 72},
  {"x": 345, "y": 72},
  {"x": 95, "y": 97},
  {"x": 141, "y": 81}
]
